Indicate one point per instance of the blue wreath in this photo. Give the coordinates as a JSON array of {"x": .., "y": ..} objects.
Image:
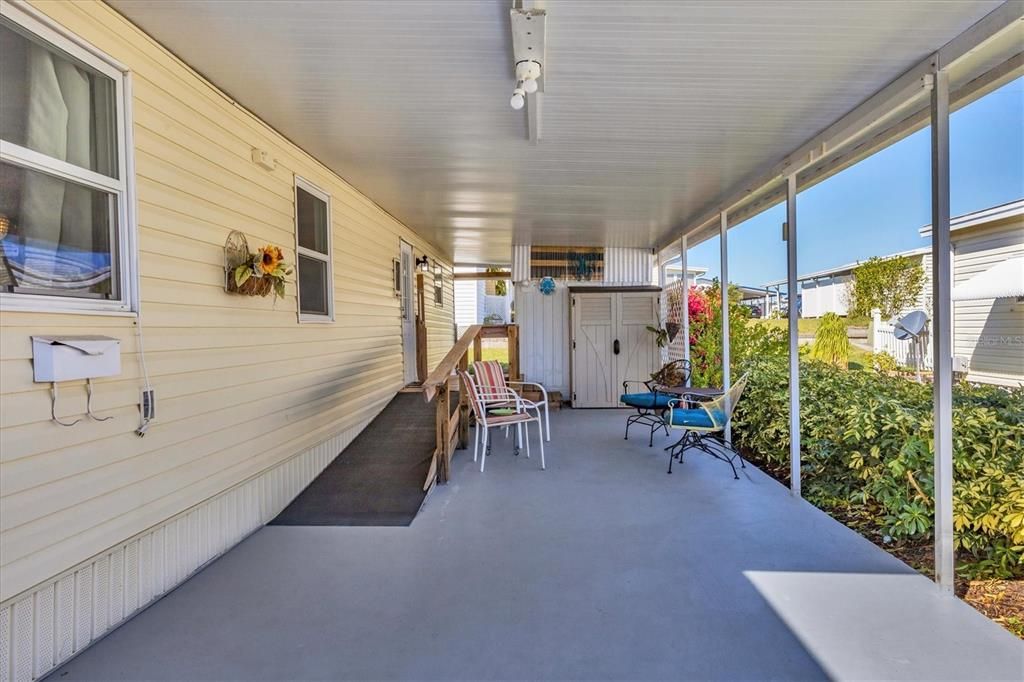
[{"x": 547, "y": 286}]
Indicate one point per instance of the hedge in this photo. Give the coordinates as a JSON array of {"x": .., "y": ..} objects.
[{"x": 867, "y": 452}]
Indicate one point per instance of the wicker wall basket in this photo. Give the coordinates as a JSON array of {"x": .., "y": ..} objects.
[{"x": 236, "y": 252}]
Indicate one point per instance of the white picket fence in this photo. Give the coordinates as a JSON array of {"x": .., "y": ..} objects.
[{"x": 907, "y": 353}]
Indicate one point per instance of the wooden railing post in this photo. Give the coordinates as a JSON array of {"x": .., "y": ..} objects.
[
  {"x": 421, "y": 331},
  {"x": 463, "y": 403},
  {"x": 513, "y": 353},
  {"x": 477, "y": 349},
  {"x": 450, "y": 429},
  {"x": 442, "y": 440}
]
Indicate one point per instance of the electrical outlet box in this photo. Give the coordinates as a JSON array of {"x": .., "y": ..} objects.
[
  {"x": 263, "y": 159},
  {"x": 147, "y": 404}
]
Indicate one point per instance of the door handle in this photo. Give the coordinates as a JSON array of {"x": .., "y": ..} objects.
[{"x": 615, "y": 347}]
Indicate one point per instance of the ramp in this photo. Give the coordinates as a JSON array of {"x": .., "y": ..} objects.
[{"x": 378, "y": 479}]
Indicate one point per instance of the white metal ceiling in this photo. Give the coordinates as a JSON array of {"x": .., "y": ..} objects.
[{"x": 652, "y": 109}]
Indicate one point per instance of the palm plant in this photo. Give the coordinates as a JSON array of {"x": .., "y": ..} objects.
[{"x": 831, "y": 344}]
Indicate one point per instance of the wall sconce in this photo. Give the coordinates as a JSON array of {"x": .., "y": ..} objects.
[{"x": 422, "y": 263}]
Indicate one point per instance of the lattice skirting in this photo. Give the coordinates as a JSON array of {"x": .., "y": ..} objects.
[{"x": 43, "y": 627}]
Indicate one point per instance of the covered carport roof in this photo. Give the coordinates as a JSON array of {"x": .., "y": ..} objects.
[{"x": 655, "y": 114}]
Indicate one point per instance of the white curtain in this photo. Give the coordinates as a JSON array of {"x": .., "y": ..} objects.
[{"x": 57, "y": 216}]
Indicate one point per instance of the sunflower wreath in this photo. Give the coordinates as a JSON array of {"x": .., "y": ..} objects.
[{"x": 256, "y": 273}]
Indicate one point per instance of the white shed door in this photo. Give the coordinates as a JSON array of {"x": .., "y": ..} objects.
[
  {"x": 593, "y": 366},
  {"x": 611, "y": 343},
  {"x": 638, "y": 350}
]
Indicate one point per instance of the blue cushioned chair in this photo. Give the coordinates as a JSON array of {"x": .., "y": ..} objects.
[
  {"x": 651, "y": 404},
  {"x": 704, "y": 426}
]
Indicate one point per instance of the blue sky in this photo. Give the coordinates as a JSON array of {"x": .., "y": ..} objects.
[{"x": 876, "y": 207}]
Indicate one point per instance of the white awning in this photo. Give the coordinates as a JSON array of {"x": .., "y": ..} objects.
[{"x": 1003, "y": 280}]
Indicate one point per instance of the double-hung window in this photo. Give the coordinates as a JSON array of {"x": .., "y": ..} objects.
[
  {"x": 65, "y": 242},
  {"x": 313, "y": 253}
]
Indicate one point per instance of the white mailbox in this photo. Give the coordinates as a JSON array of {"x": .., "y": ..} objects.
[{"x": 65, "y": 358}]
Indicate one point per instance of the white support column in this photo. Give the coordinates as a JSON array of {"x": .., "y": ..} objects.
[
  {"x": 794, "y": 339},
  {"x": 942, "y": 361},
  {"x": 686, "y": 303},
  {"x": 663, "y": 307},
  {"x": 724, "y": 250}
]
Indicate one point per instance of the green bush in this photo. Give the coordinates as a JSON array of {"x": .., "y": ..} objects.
[
  {"x": 888, "y": 284},
  {"x": 831, "y": 344},
  {"x": 747, "y": 339},
  {"x": 867, "y": 455},
  {"x": 883, "y": 362}
]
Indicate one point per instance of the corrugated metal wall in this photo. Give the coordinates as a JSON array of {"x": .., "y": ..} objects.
[
  {"x": 544, "y": 335},
  {"x": 520, "y": 262},
  {"x": 628, "y": 266}
]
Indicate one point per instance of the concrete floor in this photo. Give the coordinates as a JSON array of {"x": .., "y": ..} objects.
[{"x": 601, "y": 567}]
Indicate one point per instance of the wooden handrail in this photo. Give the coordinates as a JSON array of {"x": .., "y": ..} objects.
[
  {"x": 452, "y": 428},
  {"x": 444, "y": 369},
  {"x": 504, "y": 274}
]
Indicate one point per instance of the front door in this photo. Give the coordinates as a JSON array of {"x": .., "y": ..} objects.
[{"x": 408, "y": 298}]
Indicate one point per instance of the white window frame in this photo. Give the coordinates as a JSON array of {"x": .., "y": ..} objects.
[
  {"x": 123, "y": 188},
  {"x": 328, "y": 258}
]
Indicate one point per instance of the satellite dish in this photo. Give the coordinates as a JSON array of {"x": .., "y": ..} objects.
[{"x": 910, "y": 325}]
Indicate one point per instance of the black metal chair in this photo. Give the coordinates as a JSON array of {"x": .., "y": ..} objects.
[{"x": 651, "y": 404}]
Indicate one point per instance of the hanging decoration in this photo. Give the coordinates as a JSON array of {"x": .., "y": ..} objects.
[
  {"x": 547, "y": 286},
  {"x": 256, "y": 273}
]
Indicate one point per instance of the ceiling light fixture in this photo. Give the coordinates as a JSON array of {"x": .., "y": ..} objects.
[
  {"x": 527, "y": 73},
  {"x": 529, "y": 65},
  {"x": 518, "y": 97}
]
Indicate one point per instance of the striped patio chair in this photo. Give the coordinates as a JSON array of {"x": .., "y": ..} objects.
[
  {"x": 494, "y": 388},
  {"x": 518, "y": 416}
]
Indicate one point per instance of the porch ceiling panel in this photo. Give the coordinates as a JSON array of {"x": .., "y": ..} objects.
[{"x": 651, "y": 110}]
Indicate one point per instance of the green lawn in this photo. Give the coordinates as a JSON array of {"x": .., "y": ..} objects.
[
  {"x": 859, "y": 359},
  {"x": 500, "y": 354},
  {"x": 809, "y": 327}
]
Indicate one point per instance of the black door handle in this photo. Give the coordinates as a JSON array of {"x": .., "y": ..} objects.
[{"x": 615, "y": 347}]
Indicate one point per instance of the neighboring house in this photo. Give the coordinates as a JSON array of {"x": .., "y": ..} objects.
[
  {"x": 761, "y": 300},
  {"x": 988, "y": 293},
  {"x": 477, "y": 302},
  {"x": 674, "y": 272},
  {"x": 988, "y": 296},
  {"x": 254, "y": 396},
  {"x": 827, "y": 291}
]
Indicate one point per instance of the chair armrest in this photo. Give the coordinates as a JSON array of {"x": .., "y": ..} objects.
[
  {"x": 493, "y": 395},
  {"x": 627, "y": 382},
  {"x": 696, "y": 397},
  {"x": 543, "y": 391}
]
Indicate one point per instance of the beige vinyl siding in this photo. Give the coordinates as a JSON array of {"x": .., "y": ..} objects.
[
  {"x": 241, "y": 386},
  {"x": 989, "y": 333}
]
